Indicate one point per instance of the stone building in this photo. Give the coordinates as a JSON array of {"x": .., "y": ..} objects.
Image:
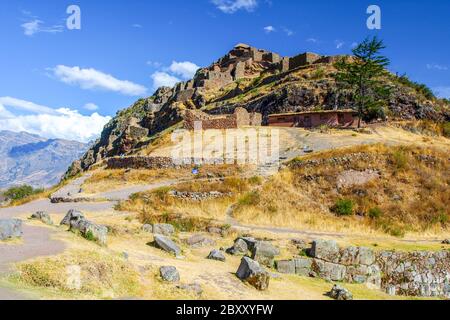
[
  {"x": 240, "y": 118},
  {"x": 312, "y": 119}
]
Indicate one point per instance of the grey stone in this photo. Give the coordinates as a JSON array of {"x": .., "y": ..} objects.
[
  {"x": 147, "y": 228},
  {"x": 328, "y": 270},
  {"x": 239, "y": 248},
  {"x": 446, "y": 241},
  {"x": 42, "y": 216},
  {"x": 251, "y": 272},
  {"x": 285, "y": 266},
  {"x": 264, "y": 252},
  {"x": 164, "y": 229},
  {"x": 303, "y": 266},
  {"x": 327, "y": 250},
  {"x": 167, "y": 245},
  {"x": 10, "y": 228},
  {"x": 340, "y": 293},
  {"x": 169, "y": 273},
  {"x": 391, "y": 290},
  {"x": 216, "y": 255},
  {"x": 199, "y": 240},
  {"x": 89, "y": 229},
  {"x": 72, "y": 215},
  {"x": 357, "y": 255},
  {"x": 251, "y": 242}
]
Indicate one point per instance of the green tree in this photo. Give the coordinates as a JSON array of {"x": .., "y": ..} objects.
[{"x": 362, "y": 75}]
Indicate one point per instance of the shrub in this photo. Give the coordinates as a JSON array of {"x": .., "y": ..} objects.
[
  {"x": 446, "y": 129},
  {"x": 19, "y": 193},
  {"x": 249, "y": 199},
  {"x": 375, "y": 213},
  {"x": 343, "y": 207},
  {"x": 400, "y": 159}
]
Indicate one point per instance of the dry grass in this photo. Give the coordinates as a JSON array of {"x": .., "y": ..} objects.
[{"x": 412, "y": 194}]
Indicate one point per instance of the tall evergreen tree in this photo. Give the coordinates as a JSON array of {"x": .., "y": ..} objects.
[{"x": 361, "y": 75}]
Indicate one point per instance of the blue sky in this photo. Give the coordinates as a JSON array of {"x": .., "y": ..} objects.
[{"x": 67, "y": 83}]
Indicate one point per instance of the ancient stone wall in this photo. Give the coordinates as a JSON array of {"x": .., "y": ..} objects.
[
  {"x": 422, "y": 273},
  {"x": 239, "y": 118}
]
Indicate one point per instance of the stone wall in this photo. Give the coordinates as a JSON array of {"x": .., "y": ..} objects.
[
  {"x": 238, "y": 119},
  {"x": 140, "y": 163},
  {"x": 424, "y": 273}
]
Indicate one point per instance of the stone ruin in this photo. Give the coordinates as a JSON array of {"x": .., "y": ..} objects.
[
  {"x": 240, "y": 118},
  {"x": 243, "y": 61}
]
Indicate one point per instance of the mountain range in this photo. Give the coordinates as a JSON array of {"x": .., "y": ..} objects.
[{"x": 30, "y": 159}]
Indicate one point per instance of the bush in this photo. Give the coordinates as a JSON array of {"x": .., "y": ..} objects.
[
  {"x": 375, "y": 213},
  {"x": 400, "y": 159},
  {"x": 19, "y": 193},
  {"x": 343, "y": 207},
  {"x": 446, "y": 129},
  {"x": 249, "y": 199}
]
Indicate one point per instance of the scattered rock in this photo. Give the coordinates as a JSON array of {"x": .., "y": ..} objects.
[
  {"x": 327, "y": 250},
  {"x": 167, "y": 245},
  {"x": 340, "y": 293},
  {"x": 446, "y": 241},
  {"x": 90, "y": 230},
  {"x": 169, "y": 273},
  {"x": 199, "y": 240},
  {"x": 251, "y": 272},
  {"x": 147, "y": 228},
  {"x": 72, "y": 215},
  {"x": 216, "y": 255},
  {"x": 10, "y": 228},
  {"x": 264, "y": 252},
  {"x": 251, "y": 242},
  {"x": 215, "y": 230},
  {"x": 194, "y": 288},
  {"x": 164, "y": 229},
  {"x": 42, "y": 216},
  {"x": 239, "y": 248}
]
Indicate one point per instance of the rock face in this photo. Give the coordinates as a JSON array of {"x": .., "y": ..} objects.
[
  {"x": 10, "y": 228},
  {"x": 216, "y": 255},
  {"x": 169, "y": 273},
  {"x": 167, "y": 245},
  {"x": 340, "y": 293},
  {"x": 29, "y": 159},
  {"x": 42, "y": 216},
  {"x": 251, "y": 272}
]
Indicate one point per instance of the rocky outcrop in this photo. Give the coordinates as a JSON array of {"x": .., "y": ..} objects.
[
  {"x": 340, "y": 293},
  {"x": 164, "y": 229},
  {"x": 42, "y": 216},
  {"x": 10, "y": 228},
  {"x": 167, "y": 245},
  {"x": 72, "y": 215}
]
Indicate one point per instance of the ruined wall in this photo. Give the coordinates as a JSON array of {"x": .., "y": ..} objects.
[
  {"x": 419, "y": 273},
  {"x": 303, "y": 60},
  {"x": 240, "y": 118}
]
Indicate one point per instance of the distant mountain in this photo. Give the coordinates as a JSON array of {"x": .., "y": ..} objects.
[{"x": 30, "y": 159}]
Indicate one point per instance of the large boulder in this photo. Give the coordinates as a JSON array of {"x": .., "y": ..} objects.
[
  {"x": 42, "y": 216},
  {"x": 90, "y": 230},
  {"x": 216, "y": 255},
  {"x": 167, "y": 245},
  {"x": 10, "y": 228},
  {"x": 285, "y": 266},
  {"x": 327, "y": 250},
  {"x": 239, "y": 247},
  {"x": 357, "y": 255},
  {"x": 303, "y": 266},
  {"x": 264, "y": 252},
  {"x": 72, "y": 216},
  {"x": 328, "y": 270},
  {"x": 169, "y": 273},
  {"x": 164, "y": 229},
  {"x": 340, "y": 293},
  {"x": 251, "y": 272}
]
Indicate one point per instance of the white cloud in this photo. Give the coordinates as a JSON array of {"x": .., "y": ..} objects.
[
  {"x": 436, "y": 67},
  {"x": 35, "y": 26},
  {"x": 339, "y": 44},
  {"x": 442, "y": 92},
  {"x": 269, "y": 29},
  {"x": 90, "y": 106},
  {"x": 163, "y": 79},
  {"x": 312, "y": 40},
  {"x": 288, "y": 32},
  {"x": 154, "y": 64},
  {"x": 185, "y": 70},
  {"x": 94, "y": 79},
  {"x": 46, "y": 122},
  {"x": 231, "y": 6}
]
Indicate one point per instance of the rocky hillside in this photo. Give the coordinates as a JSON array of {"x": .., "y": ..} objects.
[
  {"x": 29, "y": 159},
  {"x": 257, "y": 80}
]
